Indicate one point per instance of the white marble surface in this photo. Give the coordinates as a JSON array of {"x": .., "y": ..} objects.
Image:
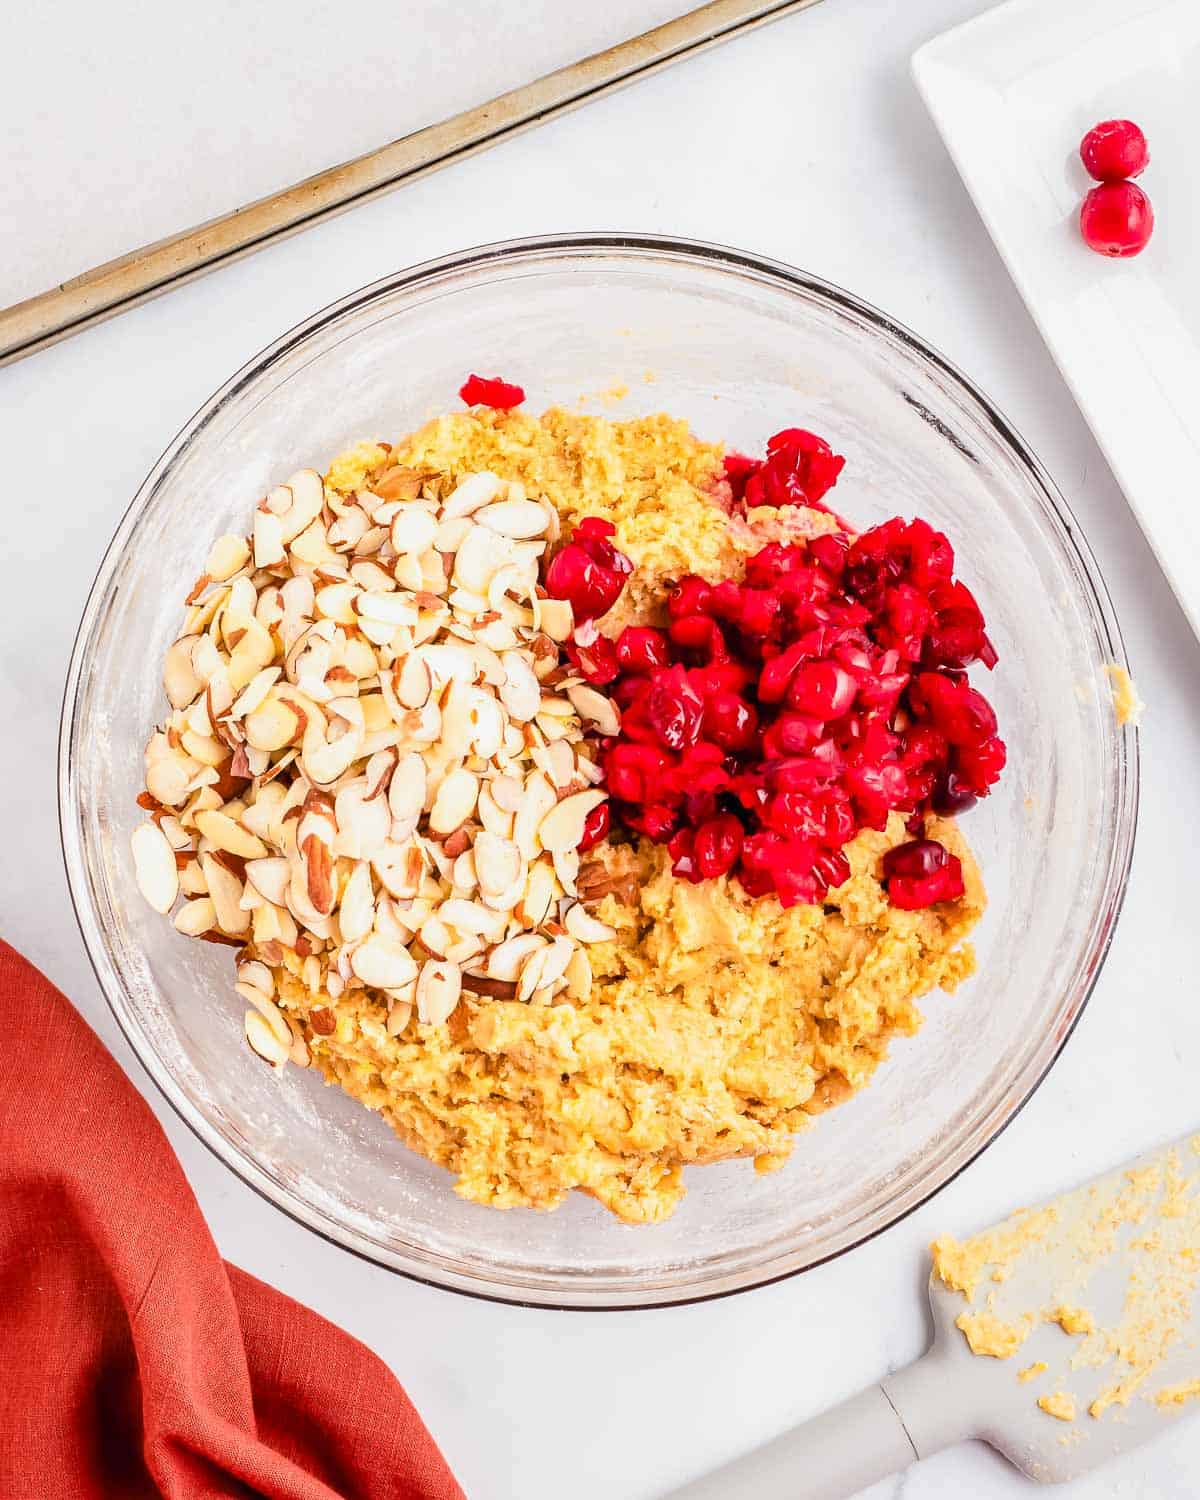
[{"x": 805, "y": 142}]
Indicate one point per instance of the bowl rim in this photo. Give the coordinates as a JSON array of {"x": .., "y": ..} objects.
[{"x": 497, "y": 253}]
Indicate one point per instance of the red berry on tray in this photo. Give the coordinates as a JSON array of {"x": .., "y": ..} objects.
[
  {"x": 1114, "y": 150},
  {"x": 1116, "y": 219}
]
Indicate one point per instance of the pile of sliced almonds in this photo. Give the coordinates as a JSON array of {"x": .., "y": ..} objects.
[{"x": 376, "y": 772}]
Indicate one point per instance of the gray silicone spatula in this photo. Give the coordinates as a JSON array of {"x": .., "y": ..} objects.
[{"x": 1098, "y": 1290}]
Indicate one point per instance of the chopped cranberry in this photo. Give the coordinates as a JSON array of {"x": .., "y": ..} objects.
[
  {"x": 951, "y": 795},
  {"x": 978, "y": 767},
  {"x": 675, "y": 708},
  {"x": 963, "y": 715},
  {"x": 698, "y": 633},
  {"x": 642, "y": 649},
  {"x": 778, "y": 717},
  {"x": 478, "y": 391},
  {"x": 731, "y": 721},
  {"x": 598, "y": 662},
  {"x": 917, "y": 860},
  {"x": 589, "y": 571},
  {"x": 718, "y": 843},
  {"x": 738, "y": 469},
  {"x": 797, "y": 732},
  {"x": 1116, "y": 219},
  {"x": 800, "y": 469},
  {"x": 691, "y": 596},
  {"x": 595, "y": 827},
  {"x": 922, "y": 873},
  {"x": 683, "y": 859},
  {"x": 658, "y": 822},
  {"x": 1113, "y": 150},
  {"x": 777, "y": 674},
  {"x": 822, "y": 689}
]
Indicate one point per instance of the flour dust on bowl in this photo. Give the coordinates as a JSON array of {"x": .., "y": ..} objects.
[{"x": 741, "y": 348}]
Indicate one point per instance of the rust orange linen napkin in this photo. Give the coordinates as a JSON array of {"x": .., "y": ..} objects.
[{"x": 134, "y": 1362}]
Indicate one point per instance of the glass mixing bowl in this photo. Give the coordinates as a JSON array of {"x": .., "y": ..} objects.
[{"x": 740, "y": 347}]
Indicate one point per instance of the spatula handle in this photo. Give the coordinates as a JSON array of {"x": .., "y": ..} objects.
[{"x": 828, "y": 1458}]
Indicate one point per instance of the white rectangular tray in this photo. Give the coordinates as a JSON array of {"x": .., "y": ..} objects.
[{"x": 1012, "y": 93}]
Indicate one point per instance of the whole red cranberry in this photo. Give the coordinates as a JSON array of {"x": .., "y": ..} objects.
[
  {"x": 1116, "y": 219},
  {"x": 1113, "y": 150}
]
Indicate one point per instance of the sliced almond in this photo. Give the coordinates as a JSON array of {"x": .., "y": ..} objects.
[
  {"x": 413, "y": 529},
  {"x": 255, "y": 691},
  {"x": 226, "y": 891},
  {"x": 356, "y": 912},
  {"x": 578, "y": 975},
  {"x": 175, "y": 833},
  {"x": 273, "y": 724},
  {"x": 585, "y": 928},
  {"x": 305, "y": 497},
  {"x": 268, "y": 539},
  {"x": 479, "y": 557},
  {"x": 383, "y": 963},
  {"x": 400, "y": 866},
  {"x": 196, "y": 916},
  {"x": 521, "y": 692},
  {"x": 507, "y": 959},
  {"x": 223, "y": 833},
  {"x": 560, "y": 764},
  {"x": 540, "y": 892},
  {"x": 537, "y": 801},
  {"x": 494, "y": 819},
  {"x": 438, "y": 990},
  {"x": 268, "y": 1010},
  {"x": 474, "y": 492},
  {"x": 363, "y": 822},
  {"x": 181, "y": 681},
  {"x": 399, "y": 1015},
  {"x": 170, "y": 779},
  {"x": 519, "y": 519},
  {"x": 254, "y": 972},
  {"x": 596, "y": 709},
  {"x": 407, "y": 789},
  {"x": 472, "y": 917},
  {"x": 562, "y": 826},
  {"x": 556, "y": 618},
  {"x": 413, "y": 681},
  {"x": 498, "y": 864},
  {"x": 455, "y": 801},
  {"x": 154, "y": 866},
  {"x": 264, "y": 1041},
  {"x": 227, "y": 556},
  {"x": 336, "y": 602},
  {"x": 508, "y": 792}
]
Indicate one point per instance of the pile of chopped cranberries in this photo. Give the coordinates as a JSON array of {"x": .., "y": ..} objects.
[{"x": 776, "y": 717}]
